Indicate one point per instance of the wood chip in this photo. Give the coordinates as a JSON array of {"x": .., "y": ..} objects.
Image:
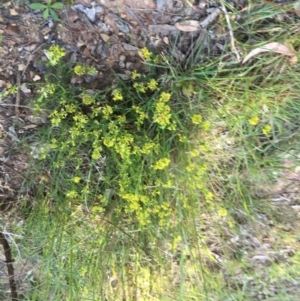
[
  {"x": 188, "y": 25},
  {"x": 13, "y": 12},
  {"x": 105, "y": 37},
  {"x": 36, "y": 78}
]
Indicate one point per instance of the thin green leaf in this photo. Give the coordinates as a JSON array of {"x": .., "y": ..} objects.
[
  {"x": 37, "y": 6},
  {"x": 53, "y": 14},
  {"x": 49, "y": 2},
  {"x": 57, "y": 5},
  {"x": 46, "y": 13}
]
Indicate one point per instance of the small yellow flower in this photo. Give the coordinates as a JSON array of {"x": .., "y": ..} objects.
[
  {"x": 76, "y": 180},
  {"x": 139, "y": 87},
  {"x": 161, "y": 164},
  {"x": 222, "y": 212},
  {"x": 164, "y": 97},
  {"x": 122, "y": 118},
  {"x": 146, "y": 54},
  {"x": 135, "y": 75},
  {"x": 194, "y": 153},
  {"x": 87, "y": 99},
  {"x": 72, "y": 194},
  {"x": 54, "y": 54},
  {"x": 152, "y": 85},
  {"x": 254, "y": 120},
  {"x": 79, "y": 70},
  {"x": 107, "y": 111},
  {"x": 196, "y": 119},
  {"x": 267, "y": 129},
  {"x": 117, "y": 95},
  {"x": 209, "y": 196},
  {"x": 205, "y": 125},
  {"x": 96, "y": 153}
]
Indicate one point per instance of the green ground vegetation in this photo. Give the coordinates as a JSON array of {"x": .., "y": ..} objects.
[{"x": 135, "y": 183}]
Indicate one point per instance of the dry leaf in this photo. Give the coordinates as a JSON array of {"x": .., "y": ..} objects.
[
  {"x": 188, "y": 25},
  {"x": 274, "y": 46}
]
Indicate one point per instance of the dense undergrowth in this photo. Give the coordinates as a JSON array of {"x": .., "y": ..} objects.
[{"x": 135, "y": 184}]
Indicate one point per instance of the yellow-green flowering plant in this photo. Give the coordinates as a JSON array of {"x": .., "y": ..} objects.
[{"x": 128, "y": 131}]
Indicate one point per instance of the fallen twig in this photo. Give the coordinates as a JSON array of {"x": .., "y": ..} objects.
[
  {"x": 10, "y": 268},
  {"x": 211, "y": 18},
  {"x": 233, "y": 48},
  {"x": 18, "y": 94}
]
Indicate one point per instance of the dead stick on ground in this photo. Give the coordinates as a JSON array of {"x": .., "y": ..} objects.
[
  {"x": 10, "y": 268},
  {"x": 18, "y": 93},
  {"x": 233, "y": 48}
]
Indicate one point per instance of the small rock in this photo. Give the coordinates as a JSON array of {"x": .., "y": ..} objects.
[
  {"x": 122, "y": 64},
  {"x": 262, "y": 259},
  {"x": 296, "y": 208},
  {"x": 163, "y": 29},
  {"x": 129, "y": 65},
  {"x": 202, "y": 4},
  {"x": 122, "y": 25},
  {"x": 129, "y": 47},
  {"x": 2, "y": 83},
  {"x": 102, "y": 50},
  {"x": 13, "y": 12},
  {"x": 122, "y": 58},
  {"x": 36, "y": 120},
  {"x": 126, "y": 76},
  {"x": 24, "y": 89},
  {"x": 103, "y": 26},
  {"x": 36, "y": 78},
  {"x": 21, "y": 67},
  {"x": 105, "y": 37},
  {"x": 31, "y": 47}
]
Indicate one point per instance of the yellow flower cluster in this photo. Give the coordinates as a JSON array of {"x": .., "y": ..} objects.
[
  {"x": 54, "y": 54},
  {"x": 107, "y": 111},
  {"x": 80, "y": 120},
  {"x": 140, "y": 87},
  {"x": 146, "y": 54},
  {"x": 57, "y": 117},
  {"x": 141, "y": 115},
  {"x": 76, "y": 179},
  {"x": 11, "y": 90},
  {"x": 135, "y": 75},
  {"x": 48, "y": 89},
  {"x": 117, "y": 95},
  {"x": 196, "y": 119},
  {"x": 254, "y": 120},
  {"x": 87, "y": 99},
  {"x": 267, "y": 129},
  {"x": 162, "y": 113},
  {"x": 161, "y": 164},
  {"x": 152, "y": 85},
  {"x": 83, "y": 69}
]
